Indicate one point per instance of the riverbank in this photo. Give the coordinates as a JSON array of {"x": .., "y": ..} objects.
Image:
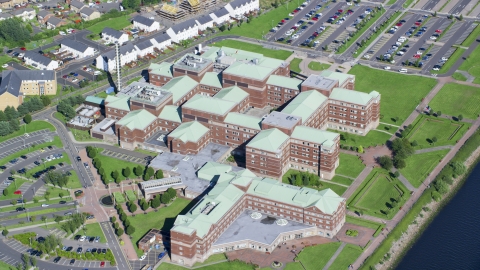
[{"x": 422, "y": 221}]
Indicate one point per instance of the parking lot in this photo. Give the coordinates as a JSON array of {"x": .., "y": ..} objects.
[
  {"x": 32, "y": 137},
  {"x": 32, "y": 155},
  {"x": 124, "y": 157},
  {"x": 151, "y": 258}
]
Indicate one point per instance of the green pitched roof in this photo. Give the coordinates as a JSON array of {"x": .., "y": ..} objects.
[
  {"x": 163, "y": 69},
  {"x": 232, "y": 93},
  {"x": 341, "y": 77},
  {"x": 212, "y": 169},
  {"x": 243, "y": 120},
  {"x": 313, "y": 135},
  {"x": 268, "y": 140},
  {"x": 189, "y": 132},
  {"x": 209, "y": 104},
  {"x": 212, "y": 79},
  {"x": 351, "y": 96},
  {"x": 171, "y": 113},
  {"x": 179, "y": 87},
  {"x": 305, "y": 104},
  {"x": 139, "y": 119},
  {"x": 248, "y": 70},
  {"x": 94, "y": 99},
  {"x": 120, "y": 102},
  {"x": 286, "y": 82}
]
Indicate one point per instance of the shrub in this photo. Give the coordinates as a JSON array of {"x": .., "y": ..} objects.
[{"x": 352, "y": 233}]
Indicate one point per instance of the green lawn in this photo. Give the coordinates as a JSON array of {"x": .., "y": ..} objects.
[
  {"x": 471, "y": 64},
  {"x": 278, "y": 54},
  {"x": 4, "y": 265},
  {"x": 391, "y": 2},
  {"x": 342, "y": 180},
  {"x": 55, "y": 192},
  {"x": 323, "y": 184},
  {"x": 162, "y": 219},
  {"x": 6, "y": 59},
  {"x": 55, "y": 142},
  {"x": 387, "y": 128},
  {"x": 459, "y": 77},
  {"x": 94, "y": 229},
  {"x": 365, "y": 223},
  {"x": 73, "y": 180},
  {"x": 318, "y": 66},
  {"x": 450, "y": 62},
  {"x": 350, "y": 165},
  {"x": 420, "y": 165},
  {"x": 130, "y": 195},
  {"x": 213, "y": 258},
  {"x": 12, "y": 188},
  {"x": 83, "y": 135},
  {"x": 293, "y": 266},
  {"x": 455, "y": 99},
  {"x": 398, "y": 101},
  {"x": 234, "y": 265},
  {"x": 316, "y": 257},
  {"x": 295, "y": 65},
  {"x": 373, "y": 138},
  {"x": 261, "y": 25},
  {"x": 115, "y": 23},
  {"x": 348, "y": 256},
  {"x": 35, "y": 44},
  {"x": 33, "y": 126},
  {"x": 378, "y": 190},
  {"x": 109, "y": 164},
  {"x": 46, "y": 164},
  {"x": 446, "y": 131},
  {"x": 119, "y": 198}
]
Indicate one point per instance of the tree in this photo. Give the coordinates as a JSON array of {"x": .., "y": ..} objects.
[
  {"x": 155, "y": 203},
  {"x": 461, "y": 17},
  {"x": 113, "y": 219},
  {"x": 44, "y": 218},
  {"x": 150, "y": 172},
  {"x": 126, "y": 172},
  {"x": 119, "y": 232},
  {"x": 222, "y": 28},
  {"x": 33, "y": 218},
  {"x": 385, "y": 162},
  {"x": 116, "y": 176},
  {"x": 138, "y": 170},
  {"x": 441, "y": 186},
  {"x": 434, "y": 139},
  {"x": 130, "y": 230},
  {"x": 14, "y": 125},
  {"x": 6, "y": 192},
  {"x": 399, "y": 163},
  {"x": 144, "y": 204},
  {"x": 13, "y": 202},
  {"x": 132, "y": 207},
  {"x": 26, "y": 260},
  {"x": 92, "y": 153},
  {"x": 402, "y": 148},
  {"x": 4, "y": 128},
  {"x": 396, "y": 174},
  {"x": 414, "y": 143},
  {"x": 360, "y": 149},
  {"x": 5, "y": 232},
  {"x": 460, "y": 117},
  {"x": 45, "y": 100},
  {"x": 435, "y": 14},
  {"x": 58, "y": 219},
  {"x": 407, "y": 62},
  {"x": 298, "y": 181},
  {"x": 27, "y": 118},
  {"x": 439, "y": 113},
  {"x": 33, "y": 261},
  {"x": 458, "y": 168},
  {"x": 165, "y": 198},
  {"x": 159, "y": 174},
  {"x": 306, "y": 180}
]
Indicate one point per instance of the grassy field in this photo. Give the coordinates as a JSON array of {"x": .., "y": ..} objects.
[
  {"x": 278, "y": 54},
  {"x": 398, "y": 101},
  {"x": 83, "y": 135},
  {"x": 94, "y": 229},
  {"x": 318, "y": 66},
  {"x": 350, "y": 165},
  {"x": 459, "y": 77},
  {"x": 420, "y": 165},
  {"x": 55, "y": 142},
  {"x": 6, "y": 59},
  {"x": 213, "y": 258},
  {"x": 35, "y": 44},
  {"x": 342, "y": 180},
  {"x": 323, "y": 184},
  {"x": 365, "y": 223},
  {"x": 73, "y": 180},
  {"x": 455, "y": 99},
  {"x": 109, "y": 164},
  {"x": 234, "y": 265},
  {"x": 472, "y": 64},
  {"x": 33, "y": 126},
  {"x": 348, "y": 256},
  {"x": 295, "y": 65},
  {"x": 115, "y": 23},
  {"x": 261, "y": 25},
  {"x": 446, "y": 131},
  {"x": 119, "y": 198},
  {"x": 310, "y": 255},
  {"x": 130, "y": 195},
  {"x": 375, "y": 194},
  {"x": 293, "y": 266},
  {"x": 162, "y": 219},
  {"x": 373, "y": 138},
  {"x": 12, "y": 188}
]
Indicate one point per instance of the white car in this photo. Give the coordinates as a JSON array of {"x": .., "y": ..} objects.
[
  {"x": 387, "y": 68},
  {"x": 433, "y": 38},
  {"x": 295, "y": 36},
  {"x": 45, "y": 205},
  {"x": 4, "y": 65},
  {"x": 75, "y": 80},
  {"x": 82, "y": 238},
  {"x": 436, "y": 68},
  {"x": 392, "y": 62},
  {"x": 62, "y": 33},
  {"x": 21, "y": 55},
  {"x": 444, "y": 59},
  {"x": 349, "y": 3},
  {"x": 366, "y": 56},
  {"x": 143, "y": 257},
  {"x": 97, "y": 72}
]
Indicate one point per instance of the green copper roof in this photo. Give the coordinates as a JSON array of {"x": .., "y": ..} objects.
[
  {"x": 179, "y": 87},
  {"x": 139, "y": 119},
  {"x": 232, "y": 93},
  {"x": 120, "y": 102},
  {"x": 163, "y": 69},
  {"x": 209, "y": 104},
  {"x": 243, "y": 120},
  {"x": 285, "y": 82},
  {"x": 352, "y": 96},
  {"x": 212, "y": 79},
  {"x": 248, "y": 70},
  {"x": 189, "y": 132},
  {"x": 305, "y": 104},
  {"x": 313, "y": 135},
  {"x": 341, "y": 77},
  {"x": 212, "y": 169},
  {"x": 268, "y": 140},
  {"x": 94, "y": 99},
  {"x": 171, "y": 113}
]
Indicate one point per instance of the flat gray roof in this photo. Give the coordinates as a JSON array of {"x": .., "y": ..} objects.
[
  {"x": 263, "y": 230},
  {"x": 317, "y": 81},
  {"x": 281, "y": 119}
]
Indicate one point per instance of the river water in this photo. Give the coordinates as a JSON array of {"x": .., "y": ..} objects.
[{"x": 452, "y": 241}]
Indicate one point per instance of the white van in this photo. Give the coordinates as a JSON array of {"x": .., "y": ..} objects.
[{"x": 403, "y": 70}]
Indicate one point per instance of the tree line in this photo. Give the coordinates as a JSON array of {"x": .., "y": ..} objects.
[
  {"x": 9, "y": 117},
  {"x": 65, "y": 106}
]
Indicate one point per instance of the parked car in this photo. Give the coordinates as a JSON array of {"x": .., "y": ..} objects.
[{"x": 57, "y": 259}]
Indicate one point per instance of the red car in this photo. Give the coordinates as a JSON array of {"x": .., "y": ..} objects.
[
  {"x": 416, "y": 56},
  {"x": 23, "y": 48},
  {"x": 351, "y": 11},
  {"x": 417, "y": 23},
  {"x": 335, "y": 16},
  {"x": 295, "y": 11},
  {"x": 340, "y": 10},
  {"x": 315, "y": 34},
  {"x": 283, "y": 21},
  {"x": 102, "y": 264},
  {"x": 294, "y": 28},
  {"x": 399, "y": 24},
  {"x": 17, "y": 192},
  {"x": 438, "y": 31},
  {"x": 314, "y": 19}
]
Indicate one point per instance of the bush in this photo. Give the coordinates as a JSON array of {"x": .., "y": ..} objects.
[
  {"x": 352, "y": 233},
  {"x": 385, "y": 162}
]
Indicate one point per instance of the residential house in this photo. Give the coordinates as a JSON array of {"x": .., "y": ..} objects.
[
  {"x": 89, "y": 14},
  {"x": 24, "y": 13},
  {"x": 238, "y": 8},
  {"x": 183, "y": 30},
  {"x": 9, "y": 3},
  {"x": 145, "y": 24},
  {"x": 43, "y": 16},
  {"x": 54, "y": 22},
  {"x": 4, "y": 16},
  {"x": 76, "y": 5},
  {"x": 106, "y": 7},
  {"x": 161, "y": 41},
  {"x": 39, "y": 61},
  {"x": 108, "y": 60},
  {"x": 220, "y": 16},
  {"x": 114, "y": 36},
  {"x": 144, "y": 48},
  {"x": 204, "y": 22},
  {"x": 77, "y": 49}
]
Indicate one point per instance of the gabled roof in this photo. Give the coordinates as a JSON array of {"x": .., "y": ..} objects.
[
  {"x": 305, "y": 104},
  {"x": 139, "y": 119},
  {"x": 209, "y": 104},
  {"x": 112, "y": 32},
  {"x": 269, "y": 140},
  {"x": 179, "y": 87},
  {"x": 106, "y": 7},
  {"x": 189, "y": 132},
  {"x": 248, "y": 70},
  {"x": 54, "y": 21},
  {"x": 44, "y": 13},
  {"x": 161, "y": 38},
  {"x": 77, "y": 4},
  {"x": 122, "y": 102},
  {"x": 221, "y": 12},
  {"x": 22, "y": 10},
  {"x": 163, "y": 69},
  {"x": 212, "y": 79},
  {"x": 232, "y": 93},
  {"x": 341, "y": 77},
  {"x": 244, "y": 120},
  {"x": 87, "y": 11},
  {"x": 286, "y": 82},
  {"x": 143, "y": 20},
  {"x": 78, "y": 46},
  {"x": 171, "y": 113},
  {"x": 352, "y": 96},
  {"x": 204, "y": 19},
  {"x": 144, "y": 44},
  {"x": 314, "y": 135},
  {"x": 12, "y": 79},
  {"x": 38, "y": 58},
  {"x": 178, "y": 28},
  {"x": 94, "y": 99},
  {"x": 124, "y": 50},
  {"x": 238, "y": 3}
]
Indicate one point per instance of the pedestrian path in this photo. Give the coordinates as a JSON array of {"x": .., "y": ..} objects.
[
  {"x": 433, "y": 149},
  {"x": 335, "y": 255},
  {"x": 360, "y": 178}
]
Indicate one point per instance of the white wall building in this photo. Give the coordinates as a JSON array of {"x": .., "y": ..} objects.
[
  {"x": 183, "y": 30},
  {"x": 145, "y": 24},
  {"x": 204, "y": 22},
  {"x": 108, "y": 62},
  {"x": 241, "y": 7},
  {"x": 25, "y": 14},
  {"x": 113, "y": 36},
  {"x": 144, "y": 48},
  {"x": 78, "y": 49},
  {"x": 39, "y": 61},
  {"x": 162, "y": 41},
  {"x": 220, "y": 16}
]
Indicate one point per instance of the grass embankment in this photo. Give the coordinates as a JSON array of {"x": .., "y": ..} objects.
[
  {"x": 277, "y": 54},
  {"x": 33, "y": 126}
]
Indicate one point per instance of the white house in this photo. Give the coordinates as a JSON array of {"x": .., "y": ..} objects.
[
  {"x": 4, "y": 16},
  {"x": 204, "y": 22},
  {"x": 220, "y": 16},
  {"x": 25, "y": 13},
  {"x": 241, "y": 7},
  {"x": 78, "y": 49},
  {"x": 161, "y": 41},
  {"x": 144, "y": 48},
  {"x": 39, "y": 61},
  {"x": 183, "y": 30},
  {"x": 108, "y": 62},
  {"x": 145, "y": 24},
  {"x": 113, "y": 36}
]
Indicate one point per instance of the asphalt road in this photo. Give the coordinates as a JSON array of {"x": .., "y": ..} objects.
[
  {"x": 50, "y": 217},
  {"x": 430, "y": 4},
  {"x": 398, "y": 5},
  {"x": 459, "y": 6},
  {"x": 114, "y": 245},
  {"x": 32, "y": 209}
]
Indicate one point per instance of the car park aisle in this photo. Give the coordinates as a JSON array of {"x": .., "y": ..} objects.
[{"x": 350, "y": 19}]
